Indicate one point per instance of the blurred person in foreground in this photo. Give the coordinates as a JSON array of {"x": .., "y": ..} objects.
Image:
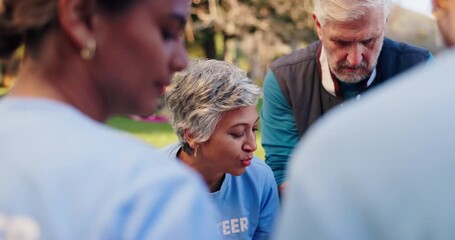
[
  {"x": 351, "y": 57},
  {"x": 65, "y": 175},
  {"x": 381, "y": 168},
  {"x": 213, "y": 111}
]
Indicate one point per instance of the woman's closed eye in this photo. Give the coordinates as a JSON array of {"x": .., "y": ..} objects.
[
  {"x": 240, "y": 134},
  {"x": 237, "y": 134},
  {"x": 173, "y": 29},
  {"x": 169, "y": 35}
]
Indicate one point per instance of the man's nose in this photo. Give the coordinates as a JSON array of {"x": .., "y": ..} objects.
[{"x": 355, "y": 55}]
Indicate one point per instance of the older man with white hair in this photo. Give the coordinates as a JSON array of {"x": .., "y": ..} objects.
[
  {"x": 393, "y": 178},
  {"x": 351, "y": 57}
]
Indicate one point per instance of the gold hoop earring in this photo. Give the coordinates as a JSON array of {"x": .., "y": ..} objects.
[
  {"x": 438, "y": 13},
  {"x": 88, "y": 51},
  {"x": 439, "y": 10},
  {"x": 195, "y": 152},
  {"x": 2, "y": 7}
]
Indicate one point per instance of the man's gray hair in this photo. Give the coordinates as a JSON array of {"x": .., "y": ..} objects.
[
  {"x": 348, "y": 10},
  {"x": 200, "y": 95}
]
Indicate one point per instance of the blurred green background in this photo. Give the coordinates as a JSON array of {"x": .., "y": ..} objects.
[
  {"x": 3, "y": 91},
  {"x": 250, "y": 34},
  {"x": 160, "y": 134}
]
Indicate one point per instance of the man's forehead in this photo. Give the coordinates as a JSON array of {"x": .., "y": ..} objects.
[{"x": 364, "y": 26}]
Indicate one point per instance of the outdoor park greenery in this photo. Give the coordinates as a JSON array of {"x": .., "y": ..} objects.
[
  {"x": 250, "y": 34},
  {"x": 3, "y": 91},
  {"x": 159, "y": 134},
  {"x": 253, "y": 33}
]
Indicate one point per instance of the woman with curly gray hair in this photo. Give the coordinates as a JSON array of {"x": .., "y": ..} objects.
[{"x": 213, "y": 111}]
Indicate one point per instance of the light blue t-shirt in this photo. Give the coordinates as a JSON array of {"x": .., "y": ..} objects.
[
  {"x": 65, "y": 176},
  {"x": 248, "y": 204},
  {"x": 380, "y": 168}
]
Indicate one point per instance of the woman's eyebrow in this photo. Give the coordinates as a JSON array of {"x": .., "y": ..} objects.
[{"x": 179, "y": 18}]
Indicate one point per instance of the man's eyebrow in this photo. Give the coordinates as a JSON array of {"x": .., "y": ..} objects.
[{"x": 338, "y": 39}]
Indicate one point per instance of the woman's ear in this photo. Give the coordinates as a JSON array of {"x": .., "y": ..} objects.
[
  {"x": 190, "y": 139},
  {"x": 74, "y": 19}
]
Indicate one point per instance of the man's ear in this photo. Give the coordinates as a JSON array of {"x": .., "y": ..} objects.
[
  {"x": 190, "y": 139},
  {"x": 74, "y": 19},
  {"x": 318, "y": 26}
]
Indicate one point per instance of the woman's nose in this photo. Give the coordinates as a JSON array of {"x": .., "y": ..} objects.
[
  {"x": 250, "y": 145},
  {"x": 179, "y": 59}
]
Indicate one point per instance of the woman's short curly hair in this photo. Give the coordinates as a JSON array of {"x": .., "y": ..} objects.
[{"x": 200, "y": 95}]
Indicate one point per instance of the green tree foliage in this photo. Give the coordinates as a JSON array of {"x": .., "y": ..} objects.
[{"x": 250, "y": 33}]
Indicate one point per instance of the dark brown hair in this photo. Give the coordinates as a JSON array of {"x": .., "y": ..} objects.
[{"x": 26, "y": 21}]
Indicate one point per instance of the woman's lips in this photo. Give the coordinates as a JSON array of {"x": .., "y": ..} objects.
[{"x": 246, "y": 162}]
